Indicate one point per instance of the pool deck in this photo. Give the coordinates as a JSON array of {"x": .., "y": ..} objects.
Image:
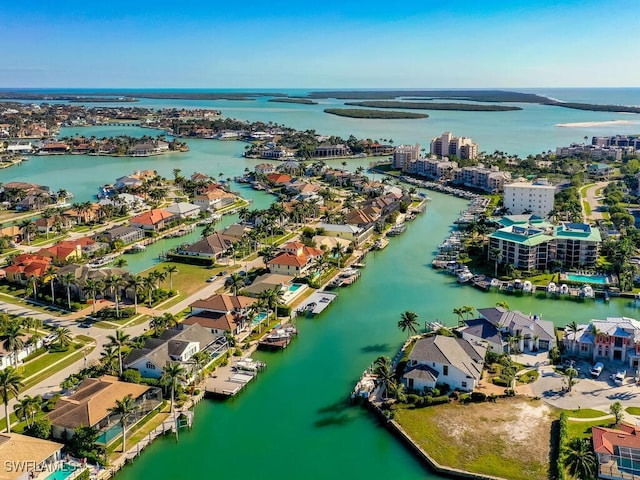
[
  {"x": 592, "y": 279},
  {"x": 316, "y": 303}
]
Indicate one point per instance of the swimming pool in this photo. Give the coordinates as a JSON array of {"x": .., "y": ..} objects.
[
  {"x": 294, "y": 286},
  {"x": 65, "y": 470},
  {"x": 580, "y": 278},
  {"x": 258, "y": 318}
]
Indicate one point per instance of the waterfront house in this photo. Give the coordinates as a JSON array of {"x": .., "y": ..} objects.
[
  {"x": 482, "y": 330},
  {"x": 278, "y": 179},
  {"x": 221, "y": 313},
  {"x": 617, "y": 451},
  {"x": 82, "y": 215},
  {"x": 26, "y": 266},
  {"x": 328, "y": 150},
  {"x": 616, "y": 339},
  {"x": 155, "y": 219},
  {"x": 24, "y": 457},
  {"x": 353, "y": 233},
  {"x": 267, "y": 281},
  {"x": 90, "y": 404},
  {"x": 67, "y": 250},
  {"x": 132, "y": 202},
  {"x": 183, "y": 210},
  {"x": 440, "y": 359},
  {"x": 84, "y": 272},
  {"x": 264, "y": 168},
  {"x": 123, "y": 233},
  {"x": 531, "y": 332},
  {"x": 213, "y": 199},
  {"x": 12, "y": 232},
  {"x": 295, "y": 259},
  {"x": 48, "y": 224},
  {"x": 173, "y": 346},
  {"x": 236, "y": 231},
  {"x": 213, "y": 246}
]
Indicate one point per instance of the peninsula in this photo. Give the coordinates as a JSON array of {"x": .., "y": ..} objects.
[
  {"x": 373, "y": 114},
  {"x": 465, "y": 107}
]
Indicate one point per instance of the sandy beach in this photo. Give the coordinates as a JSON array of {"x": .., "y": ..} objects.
[{"x": 596, "y": 124}]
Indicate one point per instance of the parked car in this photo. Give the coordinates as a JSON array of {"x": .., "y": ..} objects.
[
  {"x": 596, "y": 370},
  {"x": 619, "y": 377},
  {"x": 222, "y": 273},
  {"x": 212, "y": 278}
]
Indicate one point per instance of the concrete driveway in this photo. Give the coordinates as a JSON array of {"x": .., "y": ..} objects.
[{"x": 591, "y": 198}]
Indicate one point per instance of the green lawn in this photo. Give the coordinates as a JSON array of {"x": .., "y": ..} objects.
[
  {"x": 633, "y": 410},
  {"x": 189, "y": 279},
  {"x": 583, "y": 429},
  {"x": 587, "y": 207},
  {"x": 484, "y": 438},
  {"x": 69, "y": 360},
  {"x": 585, "y": 413}
]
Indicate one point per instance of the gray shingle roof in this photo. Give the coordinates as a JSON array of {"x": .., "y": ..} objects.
[{"x": 456, "y": 352}]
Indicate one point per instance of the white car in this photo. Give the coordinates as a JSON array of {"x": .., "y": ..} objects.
[
  {"x": 619, "y": 377},
  {"x": 596, "y": 370}
]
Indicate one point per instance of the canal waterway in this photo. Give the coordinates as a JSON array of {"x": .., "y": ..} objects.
[{"x": 293, "y": 422}]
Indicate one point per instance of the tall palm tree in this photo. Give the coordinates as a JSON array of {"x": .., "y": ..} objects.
[
  {"x": 93, "y": 286},
  {"x": 170, "y": 270},
  {"x": 408, "y": 322},
  {"x": 570, "y": 373},
  {"x": 136, "y": 283},
  {"x": 12, "y": 340},
  {"x": 67, "y": 280},
  {"x": 460, "y": 313},
  {"x": 338, "y": 252},
  {"x": 384, "y": 372},
  {"x": 468, "y": 309},
  {"x": 51, "y": 274},
  {"x": 572, "y": 327},
  {"x": 159, "y": 324},
  {"x": 173, "y": 373},
  {"x": 235, "y": 282},
  {"x": 200, "y": 360},
  {"x": 579, "y": 458},
  {"x": 10, "y": 385},
  {"x": 27, "y": 408},
  {"x": 119, "y": 341},
  {"x": 503, "y": 304},
  {"x": 125, "y": 409},
  {"x": 115, "y": 283},
  {"x": 108, "y": 358}
]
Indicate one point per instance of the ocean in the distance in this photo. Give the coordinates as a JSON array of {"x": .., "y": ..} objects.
[{"x": 529, "y": 131}]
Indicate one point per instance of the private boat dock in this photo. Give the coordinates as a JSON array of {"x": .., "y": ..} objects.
[
  {"x": 279, "y": 338},
  {"x": 231, "y": 379},
  {"x": 316, "y": 303},
  {"x": 347, "y": 277},
  {"x": 365, "y": 386}
]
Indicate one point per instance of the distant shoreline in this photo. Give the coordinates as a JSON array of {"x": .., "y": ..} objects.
[{"x": 604, "y": 123}]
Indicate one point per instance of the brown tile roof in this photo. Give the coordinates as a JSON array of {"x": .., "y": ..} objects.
[
  {"x": 213, "y": 320},
  {"x": 223, "y": 303},
  {"x": 278, "y": 178},
  {"x": 20, "y": 449},
  {"x": 286, "y": 258},
  {"x": 92, "y": 400}
]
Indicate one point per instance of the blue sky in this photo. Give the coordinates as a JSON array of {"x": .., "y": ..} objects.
[{"x": 320, "y": 44}]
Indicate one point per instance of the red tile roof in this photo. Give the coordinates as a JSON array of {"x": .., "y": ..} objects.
[
  {"x": 278, "y": 178},
  {"x": 606, "y": 439},
  {"x": 152, "y": 217}
]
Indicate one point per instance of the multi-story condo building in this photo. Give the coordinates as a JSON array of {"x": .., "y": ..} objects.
[
  {"x": 530, "y": 242},
  {"x": 617, "y": 141},
  {"x": 447, "y": 144},
  {"x": 403, "y": 155},
  {"x": 432, "y": 167},
  {"x": 487, "y": 179},
  {"x": 535, "y": 198},
  {"x": 593, "y": 151}
]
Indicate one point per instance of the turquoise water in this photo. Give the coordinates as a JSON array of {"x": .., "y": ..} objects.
[
  {"x": 113, "y": 432},
  {"x": 293, "y": 422},
  {"x": 294, "y": 286},
  {"x": 62, "y": 473},
  {"x": 258, "y": 318},
  {"x": 598, "y": 279}
]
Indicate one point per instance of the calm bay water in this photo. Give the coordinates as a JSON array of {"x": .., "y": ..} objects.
[{"x": 293, "y": 421}]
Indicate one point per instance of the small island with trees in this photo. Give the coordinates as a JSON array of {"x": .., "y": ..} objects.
[
  {"x": 300, "y": 100},
  {"x": 378, "y": 114},
  {"x": 465, "y": 107}
]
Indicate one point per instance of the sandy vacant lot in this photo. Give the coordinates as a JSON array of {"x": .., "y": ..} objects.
[{"x": 509, "y": 438}]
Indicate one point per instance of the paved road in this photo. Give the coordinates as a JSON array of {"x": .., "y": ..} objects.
[{"x": 590, "y": 197}]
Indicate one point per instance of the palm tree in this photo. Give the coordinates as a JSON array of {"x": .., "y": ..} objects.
[
  {"x": 468, "y": 309},
  {"x": 115, "y": 282},
  {"x": 108, "y": 358},
  {"x": 235, "y": 282},
  {"x": 338, "y": 253},
  {"x": 159, "y": 324},
  {"x": 460, "y": 313},
  {"x": 119, "y": 341},
  {"x": 384, "y": 372},
  {"x": 408, "y": 322},
  {"x": 12, "y": 340},
  {"x": 27, "y": 408},
  {"x": 51, "y": 274},
  {"x": 503, "y": 304},
  {"x": 170, "y": 270},
  {"x": 63, "y": 336},
  {"x": 579, "y": 458},
  {"x": 92, "y": 286},
  {"x": 570, "y": 373},
  {"x": 124, "y": 408},
  {"x": 572, "y": 327},
  {"x": 136, "y": 283},
  {"x": 173, "y": 373},
  {"x": 10, "y": 385},
  {"x": 67, "y": 280},
  {"x": 149, "y": 284},
  {"x": 200, "y": 360}
]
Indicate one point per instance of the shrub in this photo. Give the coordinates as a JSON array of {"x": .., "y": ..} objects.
[
  {"x": 464, "y": 398},
  {"x": 284, "y": 310},
  {"x": 237, "y": 352},
  {"x": 439, "y": 400},
  {"x": 478, "y": 397},
  {"x": 501, "y": 382},
  {"x": 132, "y": 376},
  {"x": 85, "y": 475},
  {"x": 413, "y": 399},
  {"x": 435, "y": 392},
  {"x": 444, "y": 388},
  {"x": 152, "y": 382},
  {"x": 41, "y": 428}
]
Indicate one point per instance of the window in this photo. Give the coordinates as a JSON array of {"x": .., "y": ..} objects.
[
  {"x": 150, "y": 366},
  {"x": 464, "y": 384},
  {"x": 445, "y": 370}
]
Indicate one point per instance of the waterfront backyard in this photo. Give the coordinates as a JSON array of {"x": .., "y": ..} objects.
[{"x": 510, "y": 438}]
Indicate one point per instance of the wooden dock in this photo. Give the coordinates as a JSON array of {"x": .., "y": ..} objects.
[
  {"x": 316, "y": 303},
  {"x": 230, "y": 380}
]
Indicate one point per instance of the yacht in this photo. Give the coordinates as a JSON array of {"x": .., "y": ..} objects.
[
  {"x": 527, "y": 286},
  {"x": 587, "y": 292},
  {"x": 552, "y": 288},
  {"x": 564, "y": 289},
  {"x": 464, "y": 275}
]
